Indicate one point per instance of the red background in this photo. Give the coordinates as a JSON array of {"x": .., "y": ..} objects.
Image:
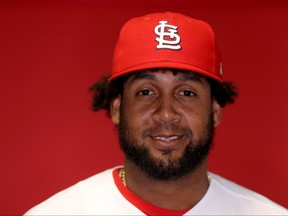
[{"x": 51, "y": 51}]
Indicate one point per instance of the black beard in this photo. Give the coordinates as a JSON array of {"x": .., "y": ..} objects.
[{"x": 170, "y": 169}]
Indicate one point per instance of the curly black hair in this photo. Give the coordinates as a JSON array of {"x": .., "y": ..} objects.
[{"x": 103, "y": 91}]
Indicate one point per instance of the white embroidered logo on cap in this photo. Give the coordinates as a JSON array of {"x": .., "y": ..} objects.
[{"x": 165, "y": 31}]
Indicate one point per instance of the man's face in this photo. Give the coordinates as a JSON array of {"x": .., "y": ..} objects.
[{"x": 166, "y": 122}]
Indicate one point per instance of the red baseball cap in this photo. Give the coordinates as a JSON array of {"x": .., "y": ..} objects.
[{"x": 167, "y": 40}]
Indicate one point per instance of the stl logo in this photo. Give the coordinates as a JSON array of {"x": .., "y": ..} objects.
[{"x": 168, "y": 36}]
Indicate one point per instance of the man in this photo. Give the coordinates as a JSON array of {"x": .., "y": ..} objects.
[{"x": 165, "y": 96}]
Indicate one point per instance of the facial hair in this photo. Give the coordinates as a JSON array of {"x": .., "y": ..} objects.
[{"x": 170, "y": 169}]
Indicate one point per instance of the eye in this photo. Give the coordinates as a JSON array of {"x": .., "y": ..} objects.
[
  {"x": 187, "y": 93},
  {"x": 145, "y": 92}
]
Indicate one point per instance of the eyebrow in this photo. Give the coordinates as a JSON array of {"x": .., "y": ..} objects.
[
  {"x": 144, "y": 75},
  {"x": 180, "y": 76},
  {"x": 188, "y": 76}
]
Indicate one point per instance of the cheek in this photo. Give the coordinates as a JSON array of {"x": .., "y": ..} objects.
[
  {"x": 197, "y": 119},
  {"x": 136, "y": 117}
]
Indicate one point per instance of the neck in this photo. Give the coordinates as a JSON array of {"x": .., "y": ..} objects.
[{"x": 188, "y": 189}]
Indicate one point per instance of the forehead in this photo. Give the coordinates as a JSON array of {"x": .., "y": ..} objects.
[{"x": 164, "y": 74}]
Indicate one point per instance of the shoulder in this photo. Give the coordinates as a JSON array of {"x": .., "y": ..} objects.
[
  {"x": 77, "y": 198},
  {"x": 243, "y": 199}
]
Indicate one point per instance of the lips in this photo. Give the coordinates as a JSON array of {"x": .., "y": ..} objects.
[
  {"x": 166, "y": 142},
  {"x": 166, "y": 138}
]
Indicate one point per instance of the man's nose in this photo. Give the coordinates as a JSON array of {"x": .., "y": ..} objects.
[{"x": 166, "y": 110}]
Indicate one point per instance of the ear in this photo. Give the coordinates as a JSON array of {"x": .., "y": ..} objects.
[
  {"x": 217, "y": 113},
  {"x": 115, "y": 110}
]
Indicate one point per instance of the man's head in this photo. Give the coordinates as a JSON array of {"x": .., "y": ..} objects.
[
  {"x": 165, "y": 93},
  {"x": 166, "y": 120}
]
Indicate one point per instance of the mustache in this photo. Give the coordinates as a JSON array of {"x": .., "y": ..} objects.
[{"x": 171, "y": 127}]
